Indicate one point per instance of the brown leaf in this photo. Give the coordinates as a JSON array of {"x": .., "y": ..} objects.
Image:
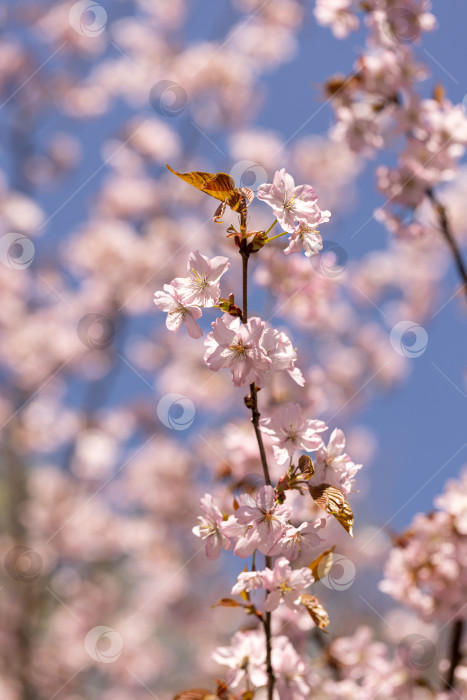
[
  {"x": 316, "y": 611},
  {"x": 333, "y": 502},
  {"x": 345, "y": 517},
  {"x": 321, "y": 566},
  {"x": 219, "y": 185},
  {"x": 219, "y": 213},
  {"x": 248, "y": 194},
  {"x": 227, "y": 603},
  {"x": 439, "y": 93},
  {"x": 195, "y": 694},
  {"x": 305, "y": 464}
]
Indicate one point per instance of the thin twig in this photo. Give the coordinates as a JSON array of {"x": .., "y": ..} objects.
[
  {"x": 448, "y": 235},
  {"x": 255, "y": 416}
]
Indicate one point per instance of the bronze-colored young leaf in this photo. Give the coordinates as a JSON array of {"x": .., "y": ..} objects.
[
  {"x": 345, "y": 517},
  {"x": 220, "y": 185},
  {"x": 321, "y": 566},
  {"x": 219, "y": 213},
  {"x": 227, "y": 603},
  {"x": 221, "y": 693},
  {"x": 305, "y": 464},
  {"x": 195, "y": 694},
  {"x": 316, "y": 611},
  {"x": 331, "y": 500}
]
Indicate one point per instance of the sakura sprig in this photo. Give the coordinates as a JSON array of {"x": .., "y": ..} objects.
[
  {"x": 249, "y": 348},
  {"x": 264, "y": 521}
]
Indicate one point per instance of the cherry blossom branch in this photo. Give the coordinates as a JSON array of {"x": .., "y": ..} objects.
[
  {"x": 255, "y": 416},
  {"x": 447, "y": 232},
  {"x": 455, "y": 655}
]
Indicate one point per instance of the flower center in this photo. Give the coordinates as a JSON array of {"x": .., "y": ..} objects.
[
  {"x": 199, "y": 280},
  {"x": 290, "y": 433},
  {"x": 238, "y": 349},
  {"x": 208, "y": 530},
  {"x": 288, "y": 201}
]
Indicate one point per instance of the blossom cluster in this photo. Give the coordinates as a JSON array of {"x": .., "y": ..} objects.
[
  {"x": 251, "y": 350},
  {"x": 266, "y": 520},
  {"x": 380, "y": 102},
  {"x": 427, "y": 567}
]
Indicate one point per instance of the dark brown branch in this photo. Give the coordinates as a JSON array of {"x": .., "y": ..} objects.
[
  {"x": 455, "y": 653},
  {"x": 448, "y": 235}
]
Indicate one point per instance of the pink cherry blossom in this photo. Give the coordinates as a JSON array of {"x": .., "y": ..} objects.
[
  {"x": 291, "y": 204},
  {"x": 338, "y": 14},
  {"x": 236, "y": 346},
  {"x": 279, "y": 349},
  {"x": 245, "y": 658},
  {"x": 454, "y": 501},
  {"x": 201, "y": 287},
  {"x": 306, "y": 238},
  {"x": 333, "y": 465},
  {"x": 285, "y": 584},
  {"x": 290, "y": 670},
  {"x": 178, "y": 311},
  {"x": 247, "y": 581},
  {"x": 290, "y": 432},
  {"x": 241, "y": 534},
  {"x": 266, "y": 518},
  {"x": 299, "y": 540},
  {"x": 209, "y": 528}
]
